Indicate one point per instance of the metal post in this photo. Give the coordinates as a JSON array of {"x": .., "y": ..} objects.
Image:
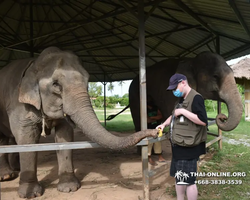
[
  {"x": 143, "y": 106},
  {"x": 105, "y": 109},
  {"x": 142, "y": 70}
]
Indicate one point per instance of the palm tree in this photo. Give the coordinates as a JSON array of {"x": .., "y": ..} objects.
[
  {"x": 181, "y": 176},
  {"x": 111, "y": 87},
  {"x": 121, "y": 83},
  {"x": 178, "y": 174},
  {"x": 185, "y": 176}
]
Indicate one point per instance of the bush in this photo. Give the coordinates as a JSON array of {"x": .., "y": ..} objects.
[
  {"x": 111, "y": 105},
  {"x": 124, "y": 101},
  {"x": 211, "y": 106},
  {"x": 110, "y": 101},
  {"x": 99, "y": 102}
]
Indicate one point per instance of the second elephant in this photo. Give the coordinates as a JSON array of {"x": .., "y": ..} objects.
[{"x": 207, "y": 73}]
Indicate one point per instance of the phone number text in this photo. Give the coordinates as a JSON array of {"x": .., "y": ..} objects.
[{"x": 219, "y": 182}]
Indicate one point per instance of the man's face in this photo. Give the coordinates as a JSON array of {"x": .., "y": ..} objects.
[{"x": 180, "y": 86}]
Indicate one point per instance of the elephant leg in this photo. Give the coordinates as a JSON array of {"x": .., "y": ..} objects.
[
  {"x": 67, "y": 179},
  {"x": 6, "y": 173},
  {"x": 29, "y": 186},
  {"x": 13, "y": 158}
]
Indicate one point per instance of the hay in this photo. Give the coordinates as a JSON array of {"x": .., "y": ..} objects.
[{"x": 242, "y": 69}]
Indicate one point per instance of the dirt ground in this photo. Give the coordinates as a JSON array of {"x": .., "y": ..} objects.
[{"x": 104, "y": 175}]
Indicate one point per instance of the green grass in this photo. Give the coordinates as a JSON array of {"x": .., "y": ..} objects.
[
  {"x": 121, "y": 123},
  {"x": 232, "y": 158}
]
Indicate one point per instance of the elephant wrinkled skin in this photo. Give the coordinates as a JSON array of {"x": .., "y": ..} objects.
[
  {"x": 207, "y": 73},
  {"x": 44, "y": 93}
]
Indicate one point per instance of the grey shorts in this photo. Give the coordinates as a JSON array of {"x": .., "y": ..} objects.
[{"x": 180, "y": 169}]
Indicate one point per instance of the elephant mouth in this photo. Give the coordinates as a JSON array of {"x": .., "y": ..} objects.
[
  {"x": 223, "y": 118},
  {"x": 69, "y": 120}
]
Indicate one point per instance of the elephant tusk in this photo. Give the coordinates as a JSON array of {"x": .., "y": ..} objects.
[
  {"x": 43, "y": 128},
  {"x": 67, "y": 117}
]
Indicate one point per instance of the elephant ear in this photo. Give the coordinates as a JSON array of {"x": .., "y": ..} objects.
[{"x": 28, "y": 88}]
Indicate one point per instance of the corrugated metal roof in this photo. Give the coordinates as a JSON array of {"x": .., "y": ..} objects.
[{"x": 104, "y": 34}]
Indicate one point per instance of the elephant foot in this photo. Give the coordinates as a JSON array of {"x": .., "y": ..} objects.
[
  {"x": 30, "y": 190},
  {"x": 7, "y": 174},
  {"x": 68, "y": 183}
]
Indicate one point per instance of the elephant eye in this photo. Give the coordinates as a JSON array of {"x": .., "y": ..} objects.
[
  {"x": 56, "y": 87},
  {"x": 55, "y": 84},
  {"x": 215, "y": 76}
]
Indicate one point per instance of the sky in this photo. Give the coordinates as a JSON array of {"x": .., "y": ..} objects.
[
  {"x": 118, "y": 90},
  {"x": 233, "y": 61}
]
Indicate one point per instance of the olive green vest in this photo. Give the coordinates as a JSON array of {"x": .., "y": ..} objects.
[{"x": 185, "y": 132}]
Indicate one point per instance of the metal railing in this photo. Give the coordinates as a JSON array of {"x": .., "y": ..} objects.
[{"x": 89, "y": 144}]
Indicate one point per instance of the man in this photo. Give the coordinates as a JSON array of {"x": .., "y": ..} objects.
[
  {"x": 154, "y": 118},
  {"x": 188, "y": 126}
]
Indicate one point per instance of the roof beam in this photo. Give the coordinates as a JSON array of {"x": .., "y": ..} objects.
[
  {"x": 108, "y": 49},
  {"x": 233, "y": 38},
  {"x": 94, "y": 58},
  {"x": 70, "y": 29},
  {"x": 161, "y": 40},
  {"x": 80, "y": 24},
  {"x": 197, "y": 46},
  {"x": 239, "y": 16},
  {"x": 228, "y": 36},
  {"x": 157, "y": 2},
  {"x": 133, "y": 39},
  {"x": 71, "y": 20},
  {"x": 132, "y": 11},
  {"x": 236, "y": 51},
  {"x": 187, "y": 10}
]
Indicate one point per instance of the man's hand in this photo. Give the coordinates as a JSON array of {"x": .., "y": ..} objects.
[
  {"x": 191, "y": 116},
  {"x": 179, "y": 111},
  {"x": 160, "y": 127}
]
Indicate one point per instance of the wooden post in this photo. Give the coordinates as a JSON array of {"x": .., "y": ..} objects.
[
  {"x": 143, "y": 96},
  {"x": 219, "y": 131},
  {"x": 145, "y": 171},
  {"x": 219, "y": 103}
]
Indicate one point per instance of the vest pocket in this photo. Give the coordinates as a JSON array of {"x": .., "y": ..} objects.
[
  {"x": 185, "y": 134},
  {"x": 184, "y": 139}
]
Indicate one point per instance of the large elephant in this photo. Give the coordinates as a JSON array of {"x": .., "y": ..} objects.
[
  {"x": 208, "y": 73},
  {"x": 42, "y": 93}
]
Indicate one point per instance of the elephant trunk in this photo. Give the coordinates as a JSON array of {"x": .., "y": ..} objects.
[
  {"x": 230, "y": 95},
  {"x": 82, "y": 113}
]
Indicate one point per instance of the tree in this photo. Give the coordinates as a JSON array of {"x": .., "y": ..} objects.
[
  {"x": 124, "y": 101},
  {"x": 111, "y": 87},
  {"x": 125, "y": 95},
  {"x": 121, "y": 83},
  {"x": 94, "y": 90}
]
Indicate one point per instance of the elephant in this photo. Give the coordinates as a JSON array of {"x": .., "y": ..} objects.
[
  {"x": 38, "y": 94},
  {"x": 207, "y": 73}
]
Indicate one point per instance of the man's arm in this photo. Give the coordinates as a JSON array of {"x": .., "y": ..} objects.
[{"x": 166, "y": 123}]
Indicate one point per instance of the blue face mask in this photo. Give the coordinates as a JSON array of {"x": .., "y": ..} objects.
[{"x": 178, "y": 93}]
